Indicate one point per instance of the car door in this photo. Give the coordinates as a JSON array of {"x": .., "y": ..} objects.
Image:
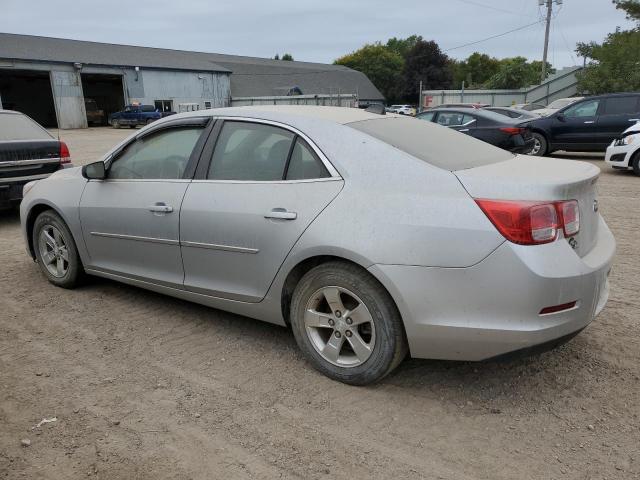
[
  {"x": 130, "y": 221},
  {"x": 575, "y": 127},
  {"x": 616, "y": 115},
  {"x": 263, "y": 186}
]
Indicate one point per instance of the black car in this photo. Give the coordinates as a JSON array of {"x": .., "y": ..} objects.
[
  {"x": 513, "y": 113},
  {"x": 499, "y": 130},
  {"x": 589, "y": 125},
  {"x": 27, "y": 152}
]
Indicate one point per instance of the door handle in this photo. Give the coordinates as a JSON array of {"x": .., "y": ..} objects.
[
  {"x": 160, "y": 208},
  {"x": 281, "y": 214},
  {"x": 634, "y": 119},
  {"x": 463, "y": 130},
  {"x": 590, "y": 121}
]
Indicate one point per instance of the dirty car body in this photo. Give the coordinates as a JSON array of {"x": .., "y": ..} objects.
[{"x": 415, "y": 207}]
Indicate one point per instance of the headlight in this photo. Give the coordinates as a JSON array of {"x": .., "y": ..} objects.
[
  {"x": 629, "y": 139},
  {"x": 27, "y": 187}
]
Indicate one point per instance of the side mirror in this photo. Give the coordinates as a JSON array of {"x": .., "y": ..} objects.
[
  {"x": 94, "y": 171},
  {"x": 561, "y": 117}
]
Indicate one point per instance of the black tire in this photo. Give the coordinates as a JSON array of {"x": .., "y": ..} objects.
[
  {"x": 74, "y": 274},
  {"x": 389, "y": 344},
  {"x": 635, "y": 163},
  {"x": 544, "y": 145},
  {"x": 132, "y": 126},
  {"x": 150, "y": 121}
]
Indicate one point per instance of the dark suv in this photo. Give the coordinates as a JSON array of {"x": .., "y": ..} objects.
[{"x": 589, "y": 125}]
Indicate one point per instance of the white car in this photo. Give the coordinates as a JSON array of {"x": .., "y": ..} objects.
[
  {"x": 402, "y": 109},
  {"x": 556, "y": 105},
  {"x": 624, "y": 152}
]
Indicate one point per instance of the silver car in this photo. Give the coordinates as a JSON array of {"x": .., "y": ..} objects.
[{"x": 370, "y": 236}]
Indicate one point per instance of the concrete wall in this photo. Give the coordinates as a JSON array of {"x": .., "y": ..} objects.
[{"x": 562, "y": 84}]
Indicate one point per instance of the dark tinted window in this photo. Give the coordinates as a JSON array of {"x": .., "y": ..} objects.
[
  {"x": 148, "y": 108},
  {"x": 163, "y": 155},
  {"x": 428, "y": 116},
  {"x": 454, "y": 119},
  {"x": 304, "y": 164},
  {"x": 15, "y": 126},
  {"x": 620, "y": 105},
  {"x": 582, "y": 109},
  {"x": 250, "y": 151},
  {"x": 441, "y": 147}
]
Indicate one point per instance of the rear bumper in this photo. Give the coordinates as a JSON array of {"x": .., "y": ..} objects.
[
  {"x": 492, "y": 308},
  {"x": 11, "y": 187}
]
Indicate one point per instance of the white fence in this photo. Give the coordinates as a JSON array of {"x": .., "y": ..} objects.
[{"x": 338, "y": 100}]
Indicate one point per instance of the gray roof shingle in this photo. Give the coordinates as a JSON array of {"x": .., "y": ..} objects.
[{"x": 250, "y": 77}]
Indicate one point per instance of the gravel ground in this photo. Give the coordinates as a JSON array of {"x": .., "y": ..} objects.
[{"x": 149, "y": 387}]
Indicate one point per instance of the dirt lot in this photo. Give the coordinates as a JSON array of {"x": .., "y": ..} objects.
[{"x": 148, "y": 387}]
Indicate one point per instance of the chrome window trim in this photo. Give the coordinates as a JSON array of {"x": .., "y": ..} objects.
[
  {"x": 323, "y": 158},
  {"x": 18, "y": 163},
  {"x": 146, "y": 180},
  {"x": 137, "y": 238},
  {"x": 275, "y": 182}
]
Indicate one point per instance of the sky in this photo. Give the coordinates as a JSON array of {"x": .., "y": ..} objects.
[{"x": 318, "y": 31}]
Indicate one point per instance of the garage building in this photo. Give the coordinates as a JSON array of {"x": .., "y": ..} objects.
[{"x": 56, "y": 80}]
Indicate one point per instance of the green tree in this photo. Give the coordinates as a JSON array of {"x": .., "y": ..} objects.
[
  {"x": 402, "y": 46},
  {"x": 425, "y": 62},
  {"x": 380, "y": 64},
  {"x": 475, "y": 70},
  {"x": 287, "y": 57},
  {"x": 614, "y": 65},
  {"x": 517, "y": 72}
]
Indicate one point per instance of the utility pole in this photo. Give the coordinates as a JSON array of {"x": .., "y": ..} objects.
[{"x": 549, "y": 4}]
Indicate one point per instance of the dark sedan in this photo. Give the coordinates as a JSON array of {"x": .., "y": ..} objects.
[
  {"x": 499, "y": 130},
  {"x": 27, "y": 152},
  {"x": 589, "y": 125}
]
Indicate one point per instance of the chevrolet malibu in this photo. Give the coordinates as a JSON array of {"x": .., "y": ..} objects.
[{"x": 370, "y": 236}]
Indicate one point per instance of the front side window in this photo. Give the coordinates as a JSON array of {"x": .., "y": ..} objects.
[
  {"x": 250, "y": 151},
  {"x": 454, "y": 119},
  {"x": 162, "y": 155},
  {"x": 583, "y": 109}
]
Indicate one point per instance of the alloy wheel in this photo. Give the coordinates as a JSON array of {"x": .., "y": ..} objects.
[
  {"x": 53, "y": 251},
  {"x": 340, "y": 326}
]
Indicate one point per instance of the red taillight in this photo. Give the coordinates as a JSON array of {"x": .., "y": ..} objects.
[
  {"x": 557, "y": 308},
  {"x": 65, "y": 157},
  {"x": 513, "y": 130},
  {"x": 531, "y": 223}
]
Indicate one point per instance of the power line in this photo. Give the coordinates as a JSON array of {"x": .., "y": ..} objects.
[
  {"x": 494, "y": 36},
  {"x": 491, "y": 7}
]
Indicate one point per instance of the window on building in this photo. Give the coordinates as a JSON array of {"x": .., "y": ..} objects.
[
  {"x": 163, "y": 105},
  {"x": 207, "y": 104}
]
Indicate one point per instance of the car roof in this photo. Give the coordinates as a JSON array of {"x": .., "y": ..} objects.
[{"x": 341, "y": 115}]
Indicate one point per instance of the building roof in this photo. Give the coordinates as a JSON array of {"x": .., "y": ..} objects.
[{"x": 250, "y": 77}]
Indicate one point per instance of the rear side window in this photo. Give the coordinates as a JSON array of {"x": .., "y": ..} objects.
[
  {"x": 304, "y": 164},
  {"x": 454, "y": 119},
  {"x": 620, "y": 105},
  {"x": 250, "y": 151},
  {"x": 15, "y": 126},
  {"x": 441, "y": 147}
]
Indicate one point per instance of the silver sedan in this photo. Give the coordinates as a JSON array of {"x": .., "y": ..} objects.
[{"x": 370, "y": 236}]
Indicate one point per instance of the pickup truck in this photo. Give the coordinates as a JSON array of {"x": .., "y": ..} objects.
[{"x": 134, "y": 115}]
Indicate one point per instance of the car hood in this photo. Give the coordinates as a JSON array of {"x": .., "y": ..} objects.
[{"x": 633, "y": 128}]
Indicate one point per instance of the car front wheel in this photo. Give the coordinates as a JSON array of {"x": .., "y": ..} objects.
[
  {"x": 346, "y": 324},
  {"x": 56, "y": 251}
]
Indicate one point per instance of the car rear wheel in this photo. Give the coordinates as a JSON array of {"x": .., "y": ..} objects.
[
  {"x": 56, "y": 251},
  {"x": 540, "y": 145},
  {"x": 346, "y": 324}
]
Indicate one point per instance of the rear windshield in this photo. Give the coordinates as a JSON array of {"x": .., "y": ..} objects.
[
  {"x": 439, "y": 146},
  {"x": 15, "y": 126}
]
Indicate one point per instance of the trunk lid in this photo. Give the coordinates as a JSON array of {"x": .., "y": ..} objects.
[
  {"x": 541, "y": 179},
  {"x": 28, "y": 157}
]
